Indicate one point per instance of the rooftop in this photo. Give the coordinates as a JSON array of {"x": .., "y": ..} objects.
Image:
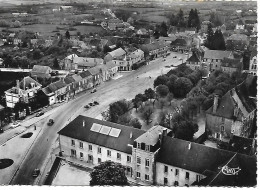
[
  {"x": 216, "y": 54},
  {"x": 100, "y": 132}
]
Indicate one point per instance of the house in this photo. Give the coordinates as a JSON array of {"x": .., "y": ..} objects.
[
  {"x": 117, "y": 54},
  {"x": 213, "y": 58},
  {"x": 240, "y": 25},
  {"x": 253, "y": 63},
  {"x": 152, "y": 157},
  {"x": 86, "y": 80},
  {"x": 181, "y": 45},
  {"x": 77, "y": 85},
  {"x": 59, "y": 89},
  {"x": 194, "y": 61},
  {"x": 40, "y": 71},
  {"x": 154, "y": 50},
  {"x": 142, "y": 31},
  {"x": 49, "y": 95},
  {"x": 133, "y": 57},
  {"x": 24, "y": 91},
  {"x": 233, "y": 113},
  {"x": 112, "y": 69},
  {"x": 96, "y": 74},
  {"x": 190, "y": 31},
  {"x": 230, "y": 66},
  {"x": 114, "y": 24},
  {"x": 86, "y": 63}
]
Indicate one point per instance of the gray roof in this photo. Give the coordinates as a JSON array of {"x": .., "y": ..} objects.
[
  {"x": 76, "y": 130},
  {"x": 41, "y": 69},
  {"x": 216, "y": 54}
]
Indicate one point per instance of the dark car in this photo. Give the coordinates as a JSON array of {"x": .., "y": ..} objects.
[
  {"x": 36, "y": 172},
  {"x": 39, "y": 114},
  {"x": 1, "y": 130},
  {"x": 86, "y": 106},
  {"x": 91, "y": 104},
  {"x": 51, "y": 122},
  {"x": 174, "y": 56},
  {"x": 96, "y": 103}
]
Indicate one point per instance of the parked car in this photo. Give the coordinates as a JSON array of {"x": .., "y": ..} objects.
[
  {"x": 51, "y": 122},
  {"x": 15, "y": 124},
  {"x": 96, "y": 103},
  {"x": 36, "y": 172},
  {"x": 174, "y": 56},
  {"x": 86, "y": 106},
  {"x": 167, "y": 66},
  {"x": 91, "y": 104},
  {"x": 93, "y": 90},
  {"x": 39, "y": 114}
]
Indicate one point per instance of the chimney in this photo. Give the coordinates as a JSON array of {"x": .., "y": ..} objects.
[
  {"x": 215, "y": 104},
  {"x": 189, "y": 146},
  {"x": 83, "y": 123},
  {"x": 131, "y": 135},
  {"x": 17, "y": 84},
  {"x": 164, "y": 132},
  {"x": 160, "y": 138}
]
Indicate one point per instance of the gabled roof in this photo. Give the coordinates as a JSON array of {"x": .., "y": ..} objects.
[
  {"x": 117, "y": 53},
  {"x": 179, "y": 42},
  {"x": 47, "y": 91},
  {"x": 57, "y": 85},
  {"x": 85, "y": 74},
  {"x": 151, "y": 136},
  {"x": 153, "y": 46},
  {"x": 241, "y": 144},
  {"x": 194, "y": 58},
  {"x": 110, "y": 65},
  {"x": 216, "y": 54},
  {"x": 94, "y": 70},
  {"x": 87, "y": 62},
  {"x": 76, "y": 130},
  {"x": 198, "y": 158},
  {"x": 41, "y": 69},
  {"x": 76, "y": 77},
  {"x": 69, "y": 79},
  {"x": 27, "y": 83},
  {"x": 242, "y": 37}
]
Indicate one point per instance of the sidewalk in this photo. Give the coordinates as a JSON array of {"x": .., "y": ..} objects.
[{"x": 13, "y": 150}]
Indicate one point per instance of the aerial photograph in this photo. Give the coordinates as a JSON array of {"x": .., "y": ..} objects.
[{"x": 130, "y": 93}]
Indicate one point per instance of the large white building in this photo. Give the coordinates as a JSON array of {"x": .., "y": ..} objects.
[{"x": 152, "y": 157}]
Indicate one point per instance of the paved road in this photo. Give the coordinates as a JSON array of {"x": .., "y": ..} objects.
[{"x": 108, "y": 92}]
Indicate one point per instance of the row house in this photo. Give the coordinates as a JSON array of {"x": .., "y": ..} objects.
[
  {"x": 213, "y": 58},
  {"x": 117, "y": 54},
  {"x": 24, "y": 91},
  {"x": 151, "y": 157},
  {"x": 253, "y": 63},
  {"x": 154, "y": 49},
  {"x": 233, "y": 113}
]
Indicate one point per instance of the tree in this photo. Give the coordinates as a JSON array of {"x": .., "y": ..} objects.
[
  {"x": 180, "y": 19},
  {"x": 182, "y": 86},
  {"x": 67, "y": 34},
  {"x": 108, "y": 173},
  {"x": 117, "y": 109},
  {"x": 218, "y": 41},
  {"x": 135, "y": 123},
  {"x": 147, "y": 113},
  {"x": 170, "y": 98},
  {"x": 149, "y": 93},
  {"x": 37, "y": 54},
  {"x": 163, "y": 29},
  {"x": 210, "y": 37},
  {"x": 162, "y": 90},
  {"x": 56, "y": 63},
  {"x": 163, "y": 79}
]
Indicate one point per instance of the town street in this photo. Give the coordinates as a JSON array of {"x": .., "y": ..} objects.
[{"x": 125, "y": 87}]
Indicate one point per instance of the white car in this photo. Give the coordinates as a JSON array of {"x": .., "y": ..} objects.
[{"x": 15, "y": 124}]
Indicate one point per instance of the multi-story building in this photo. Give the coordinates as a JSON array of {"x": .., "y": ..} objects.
[
  {"x": 231, "y": 65},
  {"x": 152, "y": 157},
  {"x": 24, "y": 91},
  {"x": 154, "y": 49},
  {"x": 213, "y": 58},
  {"x": 40, "y": 71},
  {"x": 233, "y": 113},
  {"x": 253, "y": 63}
]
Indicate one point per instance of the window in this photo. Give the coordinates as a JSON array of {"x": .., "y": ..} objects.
[
  {"x": 80, "y": 144},
  {"x": 73, "y": 153},
  {"x": 139, "y": 145},
  {"x": 128, "y": 158},
  {"x": 90, "y": 147},
  {"x": 108, "y": 153},
  {"x": 176, "y": 172},
  {"x": 222, "y": 128},
  {"x": 118, "y": 156},
  {"x": 138, "y": 160},
  {"x": 147, "y": 148},
  {"x": 176, "y": 183},
  {"x": 146, "y": 177},
  {"x": 147, "y": 162},
  {"x": 165, "y": 169},
  {"x": 99, "y": 160},
  {"x": 198, "y": 178},
  {"x": 138, "y": 175},
  {"x": 99, "y": 150},
  {"x": 187, "y": 176},
  {"x": 165, "y": 180},
  {"x": 72, "y": 143},
  {"x": 81, "y": 155}
]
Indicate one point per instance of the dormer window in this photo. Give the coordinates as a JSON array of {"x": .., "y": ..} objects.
[
  {"x": 147, "y": 148},
  {"x": 139, "y": 145}
]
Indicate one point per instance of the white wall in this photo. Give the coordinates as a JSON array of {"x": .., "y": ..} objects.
[{"x": 160, "y": 175}]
